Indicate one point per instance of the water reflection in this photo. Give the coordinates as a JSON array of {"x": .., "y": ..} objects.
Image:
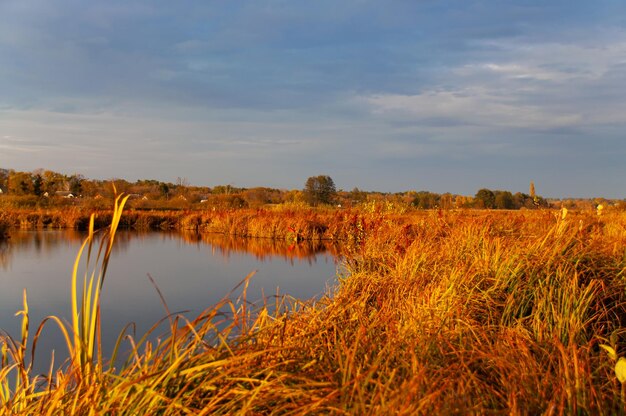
[
  {"x": 39, "y": 242},
  {"x": 263, "y": 249},
  {"x": 192, "y": 271},
  {"x": 5, "y": 255}
]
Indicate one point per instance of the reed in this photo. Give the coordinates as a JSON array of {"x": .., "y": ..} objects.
[
  {"x": 295, "y": 224},
  {"x": 441, "y": 313}
]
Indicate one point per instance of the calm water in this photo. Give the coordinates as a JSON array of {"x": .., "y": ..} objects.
[{"x": 192, "y": 272}]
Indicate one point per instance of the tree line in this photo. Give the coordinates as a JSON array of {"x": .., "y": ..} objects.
[{"x": 45, "y": 187}]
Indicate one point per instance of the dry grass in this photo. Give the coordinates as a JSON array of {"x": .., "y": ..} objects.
[
  {"x": 442, "y": 313},
  {"x": 293, "y": 224},
  {"x": 24, "y": 218}
]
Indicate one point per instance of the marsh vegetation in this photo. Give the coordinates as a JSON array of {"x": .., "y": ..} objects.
[{"x": 441, "y": 312}]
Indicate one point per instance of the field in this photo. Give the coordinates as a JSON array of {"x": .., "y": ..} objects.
[{"x": 440, "y": 312}]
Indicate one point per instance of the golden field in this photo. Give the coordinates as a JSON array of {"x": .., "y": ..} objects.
[{"x": 439, "y": 312}]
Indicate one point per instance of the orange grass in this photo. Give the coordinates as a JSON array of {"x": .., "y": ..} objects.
[
  {"x": 277, "y": 223},
  {"x": 442, "y": 313}
]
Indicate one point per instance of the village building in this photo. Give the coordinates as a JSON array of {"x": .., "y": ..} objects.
[{"x": 64, "y": 194}]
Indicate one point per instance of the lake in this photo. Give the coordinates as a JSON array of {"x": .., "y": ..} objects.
[{"x": 192, "y": 272}]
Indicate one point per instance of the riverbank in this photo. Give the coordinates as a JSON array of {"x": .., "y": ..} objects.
[
  {"x": 294, "y": 224},
  {"x": 443, "y": 313}
]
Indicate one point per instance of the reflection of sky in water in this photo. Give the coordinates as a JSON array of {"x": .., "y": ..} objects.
[{"x": 192, "y": 275}]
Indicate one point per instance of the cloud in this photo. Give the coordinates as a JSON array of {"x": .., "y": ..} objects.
[
  {"x": 519, "y": 71},
  {"x": 132, "y": 139},
  {"x": 537, "y": 87},
  {"x": 14, "y": 145},
  {"x": 469, "y": 106}
]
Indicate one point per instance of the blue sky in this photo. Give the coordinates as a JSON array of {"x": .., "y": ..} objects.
[{"x": 447, "y": 96}]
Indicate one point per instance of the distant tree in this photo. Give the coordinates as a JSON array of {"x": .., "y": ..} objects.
[
  {"x": 19, "y": 183},
  {"x": 91, "y": 188},
  {"x": 504, "y": 200},
  {"x": 164, "y": 189},
  {"x": 319, "y": 190},
  {"x": 522, "y": 200},
  {"x": 53, "y": 181},
  {"x": 462, "y": 201},
  {"x": 226, "y": 190},
  {"x": 446, "y": 201},
  {"x": 274, "y": 196},
  {"x": 531, "y": 191},
  {"x": 38, "y": 185},
  {"x": 4, "y": 175},
  {"x": 182, "y": 187},
  {"x": 357, "y": 196},
  {"x": 229, "y": 201},
  {"x": 485, "y": 198},
  {"x": 256, "y": 197},
  {"x": 76, "y": 184},
  {"x": 122, "y": 186},
  {"x": 426, "y": 200},
  {"x": 293, "y": 196}
]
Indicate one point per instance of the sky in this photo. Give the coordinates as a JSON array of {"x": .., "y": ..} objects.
[{"x": 398, "y": 95}]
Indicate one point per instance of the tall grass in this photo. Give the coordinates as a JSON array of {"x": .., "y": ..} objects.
[
  {"x": 284, "y": 223},
  {"x": 82, "y": 338},
  {"x": 443, "y": 313}
]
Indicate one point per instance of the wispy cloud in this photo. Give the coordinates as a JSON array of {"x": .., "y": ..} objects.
[
  {"x": 538, "y": 86},
  {"x": 470, "y": 106}
]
